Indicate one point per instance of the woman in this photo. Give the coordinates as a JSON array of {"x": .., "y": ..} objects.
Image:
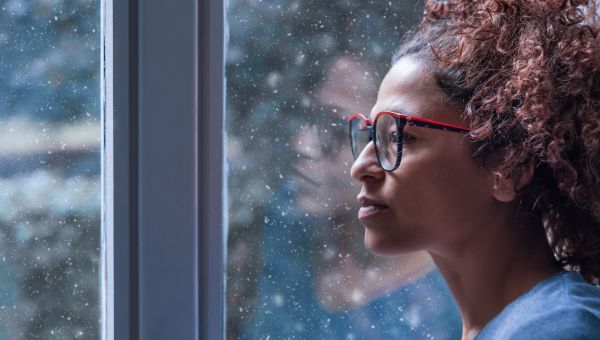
[
  {"x": 487, "y": 156},
  {"x": 326, "y": 286}
]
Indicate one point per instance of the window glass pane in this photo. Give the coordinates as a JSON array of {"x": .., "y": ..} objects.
[
  {"x": 49, "y": 169},
  {"x": 297, "y": 264}
]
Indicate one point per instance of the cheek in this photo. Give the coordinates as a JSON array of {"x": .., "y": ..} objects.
[
  {"x": 335, "y": 188},
  {"x": 436, "y": 192}
]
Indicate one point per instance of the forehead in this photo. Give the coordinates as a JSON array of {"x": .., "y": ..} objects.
[
  {"x": 410, "y": 88},
  {"x": 349, "y": 85}
]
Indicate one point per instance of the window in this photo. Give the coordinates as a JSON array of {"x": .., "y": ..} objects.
[
  {"x": 50, "y": 187},
  {"x": 297, "y": 266},
  {"x": 113, "y": 213},
  {"x": 97, "y": 95},
  {"x": 164, "y": 169}
]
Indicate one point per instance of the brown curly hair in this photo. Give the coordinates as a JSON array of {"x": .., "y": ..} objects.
[{"x": 528, "y": 74}]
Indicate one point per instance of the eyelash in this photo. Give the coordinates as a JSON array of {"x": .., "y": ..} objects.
[{"x": 408, "y": 138}]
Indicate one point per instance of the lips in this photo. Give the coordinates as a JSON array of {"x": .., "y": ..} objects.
[
  {"x": 369, "y": 207},
  {"x": 300, "y": 174}
]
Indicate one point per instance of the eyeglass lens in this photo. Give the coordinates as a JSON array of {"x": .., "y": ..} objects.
[
  {"x": 359, "y": 136},
  {"x": 387, "y": 137},
  {"x": 331, "y": 129},
  {"x": 332, "y": 135}
]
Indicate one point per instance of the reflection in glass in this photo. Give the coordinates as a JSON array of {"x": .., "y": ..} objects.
[
  {"x": 297, "y": 265},
  {"x": 49, "y": 169}
]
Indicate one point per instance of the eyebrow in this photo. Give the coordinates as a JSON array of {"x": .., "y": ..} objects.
[{"x": 402, "y": 111}]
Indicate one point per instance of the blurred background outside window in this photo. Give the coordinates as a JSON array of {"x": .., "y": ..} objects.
[
  {"x": 49, "y": 169},
  {"x": 297, "y": 267}
]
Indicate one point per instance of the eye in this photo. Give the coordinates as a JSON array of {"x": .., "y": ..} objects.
[
  {"x": 393, "y": 137},
  {"x": 408, "y": 138}
]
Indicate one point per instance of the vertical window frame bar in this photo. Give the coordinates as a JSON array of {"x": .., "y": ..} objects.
[
  {"x": 119, "y": 170},
  {"x": 212, "y": 168},
  {"x": 141, "y": 300}
]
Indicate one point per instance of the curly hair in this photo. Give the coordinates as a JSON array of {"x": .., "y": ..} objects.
[{"x": 528, "y": 74}]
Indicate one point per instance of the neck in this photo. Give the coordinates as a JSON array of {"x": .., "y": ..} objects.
[{"x": 493, "y": 268}]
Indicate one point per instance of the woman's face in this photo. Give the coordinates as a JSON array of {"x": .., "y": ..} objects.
[
  {"x": 323, "y": 178},
  {"x": 438, "y": 197}
]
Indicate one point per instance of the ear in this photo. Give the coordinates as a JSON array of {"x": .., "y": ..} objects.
[{"x": 504, "y": 188}]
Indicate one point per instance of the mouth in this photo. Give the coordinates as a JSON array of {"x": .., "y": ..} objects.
[
  {"x": 299, "y": 173},
  {"x": 369, "y": 207},
  {"x": 371, "y": 210}
]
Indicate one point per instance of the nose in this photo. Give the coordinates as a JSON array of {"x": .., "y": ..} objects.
[
  {"x": 306, "y": 142},
  {"x": 366, "y": 167}
]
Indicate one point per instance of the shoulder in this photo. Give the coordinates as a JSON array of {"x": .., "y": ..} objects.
[
  {"x": 562, "y": 307},
  {"x": 564, "y": 323}
]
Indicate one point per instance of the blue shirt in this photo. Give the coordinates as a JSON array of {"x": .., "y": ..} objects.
[{"x": 563, "y": 306}]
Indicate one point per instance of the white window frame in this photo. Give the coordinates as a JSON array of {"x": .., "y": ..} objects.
[{"x": 163, "y": 169}]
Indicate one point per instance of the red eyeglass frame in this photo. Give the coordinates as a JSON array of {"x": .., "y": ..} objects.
[
  {"x": 410, "y": 120},
  {"x": 438, "y": 125}
]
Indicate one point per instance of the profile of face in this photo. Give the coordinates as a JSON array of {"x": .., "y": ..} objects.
[
  {"x": 425, "y": 202},
  {"x": 326, "y": 190},
  {"x": 322, "y": 172}
]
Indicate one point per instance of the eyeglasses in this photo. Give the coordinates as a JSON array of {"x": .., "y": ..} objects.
[
  {"x": 331, "y": 128},
  {"x": 387, "y": 130}
]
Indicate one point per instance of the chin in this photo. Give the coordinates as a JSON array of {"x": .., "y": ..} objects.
[
  {"x": 383, "y": 245},
  {"x": 311, "y": 205},
  {"x": 380, "y": 247}
]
